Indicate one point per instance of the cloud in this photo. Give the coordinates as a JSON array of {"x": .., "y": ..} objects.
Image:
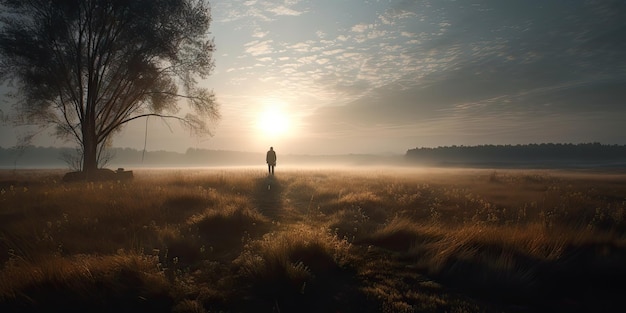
[
  {"x": 300, "y": 47},
  {"x": 256, "y": 48},
  {"x": 282, "y": 10},
  {"x": 333, "y": 52},
  {"x": 259, "y": 11},
  {"x": 342, "y": 38},
  {"x": 360, "y": 28},
  {"x": 259, "y": 34},
  {"x": 307, "y": 59},
  {"x": 367, "y": 50}
]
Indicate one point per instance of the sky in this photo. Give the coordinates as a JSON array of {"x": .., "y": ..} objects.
[{"x": 382, "y": 77}]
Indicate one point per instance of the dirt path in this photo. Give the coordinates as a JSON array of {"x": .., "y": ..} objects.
[{"x": 268, "y": 196}]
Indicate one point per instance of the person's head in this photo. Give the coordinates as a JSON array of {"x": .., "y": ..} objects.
[{"x": 271, "y": 148}]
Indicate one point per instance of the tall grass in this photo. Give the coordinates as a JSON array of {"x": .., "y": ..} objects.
[
  {"x": 373, "y": 240},
  {"x": 124, "y": 282},
  {"x": 294, "y": 269}
]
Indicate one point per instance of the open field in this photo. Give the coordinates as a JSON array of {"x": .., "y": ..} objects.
[{"x": 313, "y": 240}]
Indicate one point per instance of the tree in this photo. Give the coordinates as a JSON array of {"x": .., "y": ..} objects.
[{"x": 89, "y": 67}]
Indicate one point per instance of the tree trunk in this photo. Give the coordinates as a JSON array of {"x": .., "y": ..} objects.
[{"x": 90, "y": 149}]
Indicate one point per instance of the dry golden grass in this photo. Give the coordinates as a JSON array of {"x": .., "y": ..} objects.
[
  {"x": 367, "y": 240},
  {"x": 85, "y": 283}
]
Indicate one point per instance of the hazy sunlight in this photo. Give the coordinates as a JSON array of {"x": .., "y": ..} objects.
[{"x": 273, "y": 120}]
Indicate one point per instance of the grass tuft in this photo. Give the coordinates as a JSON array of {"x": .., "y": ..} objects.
[
  {"x": 225, "y": 229},
  {"x": 401, "y": 234},
  {"x": 300, "y": 269},
  {"x": 85, "y": 283}
]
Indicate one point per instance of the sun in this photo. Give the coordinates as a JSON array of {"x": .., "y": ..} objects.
[{"x": 273, "y": 121}]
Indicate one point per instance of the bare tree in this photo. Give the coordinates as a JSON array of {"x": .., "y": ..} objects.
[{"x": 88, "y": 67}]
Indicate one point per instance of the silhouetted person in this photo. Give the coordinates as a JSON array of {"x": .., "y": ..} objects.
[{"x": 270, "y": 158}]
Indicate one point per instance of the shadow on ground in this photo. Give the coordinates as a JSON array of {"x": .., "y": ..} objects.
[{"x": 268, "y": 197}]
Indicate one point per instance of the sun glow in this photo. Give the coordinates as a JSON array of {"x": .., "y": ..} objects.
[{"x": 273, "y": 121}]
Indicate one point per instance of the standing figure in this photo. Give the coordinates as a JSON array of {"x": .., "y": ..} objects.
[{"x": 270, "y": 158}]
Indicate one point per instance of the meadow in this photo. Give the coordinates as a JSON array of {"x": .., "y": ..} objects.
[{"x": 314, "y": 240}]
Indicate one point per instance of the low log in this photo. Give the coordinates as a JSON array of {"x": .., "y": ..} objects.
[{"x": 102, "y": 174}]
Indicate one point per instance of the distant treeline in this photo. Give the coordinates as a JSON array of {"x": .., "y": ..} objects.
[
  {"x": 47, "y": 157},
  {"x": 51, "y": 157},
  {"x": 546, "y": 154}
]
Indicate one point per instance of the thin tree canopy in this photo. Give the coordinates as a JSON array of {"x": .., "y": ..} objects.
[{"x": 90, "y": 66}]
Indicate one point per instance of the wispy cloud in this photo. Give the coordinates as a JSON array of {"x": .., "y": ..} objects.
[
  {"x": 282, "y": 10},
  {"x": 256, "y": 48},
  {"x": 259, "y": 34},
  {"x": 360, "y": 28}
]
